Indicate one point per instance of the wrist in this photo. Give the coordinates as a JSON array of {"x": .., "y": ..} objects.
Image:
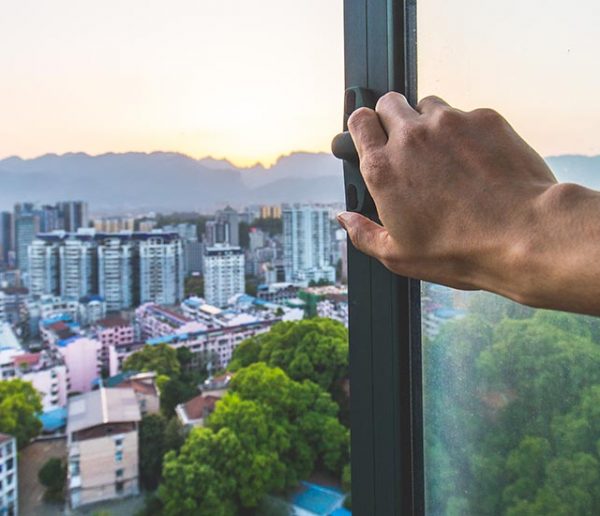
[{"x": 545, "y": 252}]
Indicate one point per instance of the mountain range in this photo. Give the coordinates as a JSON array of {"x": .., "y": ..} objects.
[{"x": 164, "y": 181}]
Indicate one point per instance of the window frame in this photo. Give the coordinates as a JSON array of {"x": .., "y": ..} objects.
[{"x": 384, "y": 309}]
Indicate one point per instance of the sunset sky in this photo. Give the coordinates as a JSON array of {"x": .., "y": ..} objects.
[{"x": 249, "y": 81}]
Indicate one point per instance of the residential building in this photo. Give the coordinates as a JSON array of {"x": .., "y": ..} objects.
[
  {"x": 161, "y": 269},
  {"x": 307, "y": 243},
  {"x": 44, "y": 267},
  {"x": 277, "y": 292},
  {"x": 9, "y": 489},
  {"x": 117, "y": 264},
  {"x": 122, "y": 268},
  {"x": 113, "y": 331},
  {"x": 194, "y": 412},
  {"x": 143, "y": 385},
  {"x": 223, "y": 273},
  {"x": 27, "y": 225},
  {"x": 194, "y": 257},
  {"x": 78, "y": 265},
  {"x": 270, "y": 212},
  {"x": 91, "y": 309},
  {"x": 74, "y": 215},
  {"x": 102, "y": 443},
  {"x": 6, "y": 236},
  {"x": 48, "y": 374},
  {"x": 83, "y": 358},
  {"x": 231, "y": 219},
  {"x": 114, "y": 224}
]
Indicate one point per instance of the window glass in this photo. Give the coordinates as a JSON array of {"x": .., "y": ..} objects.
[{"x": 511, "y": 393}]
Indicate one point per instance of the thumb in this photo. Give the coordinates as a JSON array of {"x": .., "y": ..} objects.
[{"x": 366, "y": 235}]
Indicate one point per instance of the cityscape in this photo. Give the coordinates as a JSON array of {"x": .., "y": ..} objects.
[{"x": 93, "y": 309}]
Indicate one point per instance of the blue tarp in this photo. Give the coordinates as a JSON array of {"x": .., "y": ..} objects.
[
  {"x": 318, "y": 499},
  {"x": 53, "y": 420}
]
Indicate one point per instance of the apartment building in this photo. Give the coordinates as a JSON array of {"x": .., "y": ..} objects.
[
  {"x": 113, "y": 331},
  {"x": 102, "y": 444},
  {"x": 48, "y": 374},
  {"x": 9, "y": 489},
  {"x": 78, "y": 266},
  {"x": 124, "y": 269},
  {"x": 223, "y": 273},
  {"x": 307, "y": 243}
]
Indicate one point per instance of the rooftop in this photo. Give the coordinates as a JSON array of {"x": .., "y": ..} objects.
[
  {"x": 5, "y": 437},
  {"x": 100, "y": 407},
  {"x": 113, "y": 322},
  {"x": 200, "y": 406}
]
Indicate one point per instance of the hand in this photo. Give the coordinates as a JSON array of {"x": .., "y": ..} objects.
[{"x": 458, "y": 194}]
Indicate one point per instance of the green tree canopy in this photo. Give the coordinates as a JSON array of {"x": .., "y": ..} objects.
[
  {"x": 19, "y": 405},
  {"x": 162, "y": 359},
  {"x": 314, "y": 349},
  {"x": 53, "y": 475},
  {"x": 265, "y": 435}
]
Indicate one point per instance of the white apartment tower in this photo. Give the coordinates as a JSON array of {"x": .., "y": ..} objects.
[
  {"x": 43, "y": 257},
  {"x": 223, "y": 273},
  {"x": 115, "y": 273},
  {"x": 78, "y": 274},
  {"x": 161, "y": 269},
  {"x": 307, "y": 243},
  {"x": 9, "y": 493}
]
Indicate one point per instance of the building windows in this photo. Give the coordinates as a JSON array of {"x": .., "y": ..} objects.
[{"x": 119, "y": 456}]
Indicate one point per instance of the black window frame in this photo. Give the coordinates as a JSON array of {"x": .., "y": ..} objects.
[{"x": 384, "y": 309}]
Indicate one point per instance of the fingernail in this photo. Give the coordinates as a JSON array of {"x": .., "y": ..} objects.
[{"x": 343, "y": 218}]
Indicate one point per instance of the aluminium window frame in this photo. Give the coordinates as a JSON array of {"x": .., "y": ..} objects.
[{"x": 384, "y": 309}]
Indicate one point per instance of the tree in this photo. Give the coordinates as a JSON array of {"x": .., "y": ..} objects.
[
  {"x": 19, "y": 405},
  {"x": 194, "y": 286},
  {"x": 53, "y": 475},
  {"x": 152, "y": 447},
  {"x": 285, "y": 429},
  {"x": 161, "y": 359},
  {"x": 315, "y": 349},
  {"x": 173, "y": 392}
]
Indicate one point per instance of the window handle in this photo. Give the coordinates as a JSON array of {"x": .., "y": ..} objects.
[{"x": 358, "y": 198}]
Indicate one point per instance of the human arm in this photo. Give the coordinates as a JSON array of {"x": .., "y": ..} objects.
[{"x": 465, "y": 202}]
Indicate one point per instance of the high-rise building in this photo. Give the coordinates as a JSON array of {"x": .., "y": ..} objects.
[
  {"x": 161, "y": 268},
  {"x": 43, "y": 266},
  {"x": 114, "y": 224},
  {"x": 27, "y": 225},
  {"x": 307, "y": 243},
  {"x": 50, "y": 218},
  {"x": 78, "y": 266},
  {"x": 223, "y": 273},
  {"x": 124, "y": 269},
  {"x": 231, "y": 218},
  {"x": 9, "y": 492},
  {"x": 116, "y": 266},
  {"x": 6, "y": 236},
  {"x": 194, "y": 252},
  {"x": 73, "y": 214}
]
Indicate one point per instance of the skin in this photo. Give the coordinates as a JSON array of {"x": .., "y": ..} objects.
[{"x": 465, "y": 202}]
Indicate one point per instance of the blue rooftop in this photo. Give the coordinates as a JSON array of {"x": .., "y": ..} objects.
[
  {"x": 319, "y": 500},
  {"x": 53, "y": 420}
]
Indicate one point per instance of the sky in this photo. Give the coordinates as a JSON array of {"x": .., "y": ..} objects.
[{"x": 250, "y": 81}]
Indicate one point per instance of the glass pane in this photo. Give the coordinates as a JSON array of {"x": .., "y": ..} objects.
[
  {"x": 172, "y": 278},
  {"x": 512, "y": 394}
]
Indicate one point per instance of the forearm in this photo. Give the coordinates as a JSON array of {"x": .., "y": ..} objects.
[{"x": 555, "y": 261}]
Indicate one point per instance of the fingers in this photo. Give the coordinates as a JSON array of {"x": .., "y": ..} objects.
[
  {"x": 366, "y": 235},
  {"x": 366, "y": 130},
  {"x": 393, "y": 109},
  {"x": 430, "y": 104}
]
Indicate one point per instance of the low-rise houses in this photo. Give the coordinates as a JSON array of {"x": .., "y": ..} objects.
[
  {"x": 143, "y": 385},
  {"x": 102, "y": 443},
  {"x": 192, "y": 413},
  {"x": 113, "y": 331},
  {"x": 9, "y": 492}
]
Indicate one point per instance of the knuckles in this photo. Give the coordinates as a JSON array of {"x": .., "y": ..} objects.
[
  {"x": 388, "y": 99},
  {"x": 359, "y": 117},
  {"x": 375, "y": 167}
]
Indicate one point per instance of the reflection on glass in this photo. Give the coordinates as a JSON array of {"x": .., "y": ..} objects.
[{"x": 512, "y": 394}]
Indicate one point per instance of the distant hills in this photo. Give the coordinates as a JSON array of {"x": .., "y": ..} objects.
[{"x": 164, "y": 181}]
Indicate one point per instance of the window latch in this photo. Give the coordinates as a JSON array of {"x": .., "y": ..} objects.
[{"x": 358, "y": 198}]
